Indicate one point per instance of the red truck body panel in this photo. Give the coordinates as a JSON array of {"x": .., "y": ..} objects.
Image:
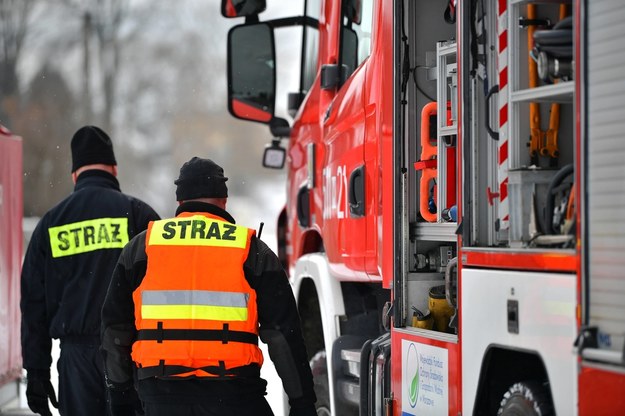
[{"x": 11, "y": 241}]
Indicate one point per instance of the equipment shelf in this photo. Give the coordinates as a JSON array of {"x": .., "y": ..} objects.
[
  {"x": 562, "y": 92},
  {"x": 434, "y": 231},
  {"x": 514, "y": 2}
]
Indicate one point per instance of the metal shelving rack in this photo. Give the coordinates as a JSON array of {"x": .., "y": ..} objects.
[
  {"x": 520, "y": 95},
  {"x": 447, "y": 84},
  {"x": 561, "y": 92}
]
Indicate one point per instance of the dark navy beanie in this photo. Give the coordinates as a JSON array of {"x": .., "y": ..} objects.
[
  {"x": 201, "y": 178},
  {"x": 90, "y": 145}
]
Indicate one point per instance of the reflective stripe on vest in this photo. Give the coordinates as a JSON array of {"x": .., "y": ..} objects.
[
  {"x": 195, "y": 312},
  {"x": 90, "y": 235},
  {"x": 194, "y": 304}
]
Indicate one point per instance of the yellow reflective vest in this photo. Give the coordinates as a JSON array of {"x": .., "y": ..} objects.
[{"x": 194, "y": 310}]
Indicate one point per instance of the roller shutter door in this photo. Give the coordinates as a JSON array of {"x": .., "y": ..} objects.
[{"x": 605, "y": 51}]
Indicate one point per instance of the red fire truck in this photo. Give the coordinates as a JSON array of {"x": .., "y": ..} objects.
[
  {"x": 10, "y": 264},
  {"x": 453, "y": 226}
]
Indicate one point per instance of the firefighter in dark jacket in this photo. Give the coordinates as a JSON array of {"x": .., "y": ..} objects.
[
  {"x": 188, "y": 300},
  {"x": 65, "y": 276}
]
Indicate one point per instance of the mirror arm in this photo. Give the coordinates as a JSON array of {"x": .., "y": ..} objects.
[
  {"x": 279, "y": 128},
  {"x": 293, "y": 21}
]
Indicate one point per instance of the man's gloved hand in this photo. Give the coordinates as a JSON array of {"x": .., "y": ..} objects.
[
  {"x": 303, "y": 411},
  {"x": 125, "y": 402},
  {"x": 38, "y": 390}
]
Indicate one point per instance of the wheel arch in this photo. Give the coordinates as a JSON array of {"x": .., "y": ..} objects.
[
  {"x": 312, "y": 281},
  {"x": 501, "y": 367},
  {"x": 310, "y": 242}
]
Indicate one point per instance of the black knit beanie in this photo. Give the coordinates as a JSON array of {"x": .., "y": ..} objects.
[
  {"x": 91, "y": 145},
  {"x": 201, "y": 178}
]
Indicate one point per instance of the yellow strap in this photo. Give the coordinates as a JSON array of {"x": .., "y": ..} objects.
[
  {"x": 197, "y": 231},
  {"x": 90, "y": 235}
]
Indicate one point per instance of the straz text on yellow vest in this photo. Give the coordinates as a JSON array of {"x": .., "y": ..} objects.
[
  {"x": 89, "y": 235},
  {"x": 194, "y": 310}
]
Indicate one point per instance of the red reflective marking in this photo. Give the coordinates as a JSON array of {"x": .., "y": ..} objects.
[
  {"x": 503, "y": 190},
  {"x": 503, "y": 78},
  {"x": 503, "y": 152},
  {"x": 503, "y": 114}
]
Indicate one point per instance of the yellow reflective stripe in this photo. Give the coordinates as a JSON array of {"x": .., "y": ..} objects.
[
  {"x": 204, "y": 312},
  {"x": 197, "y": 231},
  {"x": 90, "y": 235}
]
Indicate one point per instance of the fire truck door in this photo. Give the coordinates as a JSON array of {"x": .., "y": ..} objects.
[
  {"x": 347, "y": 188},
  {"x": 344, "y": 177}
]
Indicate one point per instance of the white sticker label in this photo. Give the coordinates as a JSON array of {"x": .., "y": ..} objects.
[{"x": 425, "y": 379}]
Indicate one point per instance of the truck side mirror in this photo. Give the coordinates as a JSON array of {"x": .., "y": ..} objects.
[
  {"x": 251, "y": 72},
  {"x": 242, "y": 8},
  {"x": 274, "y": 155}
]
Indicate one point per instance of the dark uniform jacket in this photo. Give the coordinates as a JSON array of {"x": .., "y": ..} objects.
[
  {"x": 69, "y": 263},
  {"x": 277, "y": 316}
]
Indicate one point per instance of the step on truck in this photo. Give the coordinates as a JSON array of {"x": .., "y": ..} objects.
[{"x": 453, "y": 227}]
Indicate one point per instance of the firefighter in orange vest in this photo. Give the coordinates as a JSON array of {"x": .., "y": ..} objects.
[{"x": 188, "y": 301}]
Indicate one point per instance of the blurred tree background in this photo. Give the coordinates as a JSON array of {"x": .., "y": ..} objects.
[{"x": 151, "y": 73}]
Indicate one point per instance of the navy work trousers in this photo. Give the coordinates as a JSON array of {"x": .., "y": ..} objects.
[
  {"x": 82, "y": 390},
  {"x": 255, "y": 407}
]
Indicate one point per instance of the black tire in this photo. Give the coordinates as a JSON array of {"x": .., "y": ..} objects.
[
  {"x": 319, "y": 368},
  {"x": 527, "y": 398}
]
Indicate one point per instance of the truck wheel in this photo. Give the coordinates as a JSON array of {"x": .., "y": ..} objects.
[
  {"x": 527, "y": 398},
  {"x": 319, "y": 368}
]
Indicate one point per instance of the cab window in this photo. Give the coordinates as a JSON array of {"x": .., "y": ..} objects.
[
  {"x": 356, "y": 30},
  {"x": 311, "y": 46}
]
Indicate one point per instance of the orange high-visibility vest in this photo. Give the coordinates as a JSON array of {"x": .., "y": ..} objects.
[{"x": 195, "y": 312}]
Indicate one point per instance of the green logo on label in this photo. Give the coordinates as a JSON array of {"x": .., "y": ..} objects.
[
  {"x": 413, "y": 393},
  {"x": 414, "y": 389}
]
